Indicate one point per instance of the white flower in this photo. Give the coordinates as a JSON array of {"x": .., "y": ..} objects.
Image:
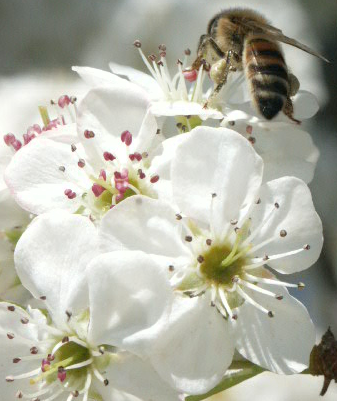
[
  {"x": 97, "y": 323},
  {"x": 229, "y": 228},
  {"x": 118, "y": 154},
  {"x": 170, "y": 95},
  {"x": 13, "y": 219}
]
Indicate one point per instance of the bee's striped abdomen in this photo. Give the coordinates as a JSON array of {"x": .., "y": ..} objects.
[{"x": 267, "y": 74}]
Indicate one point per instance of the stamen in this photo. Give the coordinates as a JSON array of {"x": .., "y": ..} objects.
[
  {"x": 263, "y": 280},
  {"x": 252, "y": 302},
  {"x": 224, "y": 301},
  {"x": 259, "y": 289},
  {"x": 26, "y": 375},
  {"x": 80, "y": 365},
  {"x": 87, "y": 384},
  {"x": 257, "y": 262}
]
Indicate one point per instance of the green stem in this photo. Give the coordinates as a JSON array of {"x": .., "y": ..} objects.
[{"x": 237, "y": 373}]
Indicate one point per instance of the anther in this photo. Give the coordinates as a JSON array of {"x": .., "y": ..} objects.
[
  {"x": 34, "y": 350},
  {"x": 73, "y": 147},
  {"x": 179, "y": 62},
  {"x": 75, "y": 393},
  {"x": 73, "y": 99},
  {"x": 50, "y": 357},
  {"x": 249, "y": 129},
  {"x": 212, "y": 304},
  {"x": 184, "y": 128},
  {"x": 235, "y": 279},
  {"x": 81, "y": 163},
  {"x": 231, "y": 123},
  {"x": 271, "y": 314},
  {"x": 89, "y": 134},
  {"x": 19, "y": 394},
  {"x": 69, "y": 314},
  {"x": 252, "y": 140},
  {"x": 187, "y": 52},
  {"x": 179, "y": 216},
  {"x": 235, "y": 317},
  {"x": 300, "y": 285},
  {"x": 234, "y": 222},
  {"x": 162, "y": 47},
  {"x": 11, "y": 308},
  {"x": 171, "y": 268},
  {"x": 62, "y": 168},
  {"x": 283, "y": 233},
  {"x": 145, "y": 155},
  {"x": 188, "y": 238},
  {"x": 101, "y": 350},
  {"x": 276, "y": 205},
  {"x": 154, "y": 179},
  {"x": 208, "y": 242},
  {"x": 279, "y": 297},
  {"x": 10, "y": 336},
  {"x": 306, "y": 247},
  {"x": 9, "y": 379},
  {"x": 137, "y": 43},
  {"x": 24, "y": 320},
  {"x": 266, "y": 257},
  {"x": 63, "y": 101},
  {"x": 179, "y": 125},
  {"x": 106, "y": 382},
  {"x": 152, "y": 57},
  {"x": 61, "y": 374},
  {"x": 16, "y": 360},
  {"x": 158, "y": 131},
  {"x": 65, "y": 339},
  {"x": 258, "y": 201},
  {"x": 43, "y": 298},
  {"x": 126, "y": 137},
  {"x": 214, "y": 195},
  {"x": 200, "y": 258}
]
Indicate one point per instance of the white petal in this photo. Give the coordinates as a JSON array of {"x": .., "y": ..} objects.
[
  {"x": 196, "y": 348},
  {"x": 129, "y": 374},
  {"x": 138, "y": 294},
  {"x": 296, "y": 215},
  {"x": 11, "y": 214},
  {"x": 281, "y": 344},
  {"x": 305, "y": 105},
  {"x": 220, "y": 161},
  {"x": 184, "y": 108},
  {"x": 142, "y": 223},
  {"x": 286, "y": 151},
  {"x": 100, "y": 78},
  {"x": 108, "y": 111},
  {"x": 63, "y": 133},
  {"x": 25, "y": 337},
  {"x": 147, "y": 137},
  {"x": 51, "y": 257},
  {"x": 36, "y": 181},
  {"x": 145, "y": 81}
]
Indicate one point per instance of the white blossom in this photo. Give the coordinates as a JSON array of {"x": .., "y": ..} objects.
[
  {"x": 97, "y": 323},
  {"x": 229, "y": 228},
  {"x": 118, "y": 153}
]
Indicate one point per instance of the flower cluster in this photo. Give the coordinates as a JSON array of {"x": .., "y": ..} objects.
[{"x": 143, "y": 237}]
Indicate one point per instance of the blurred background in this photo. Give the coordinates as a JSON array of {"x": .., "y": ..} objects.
[{"x": 41, "y": 39}]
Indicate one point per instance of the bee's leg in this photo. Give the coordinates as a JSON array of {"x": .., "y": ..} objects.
[
  {"x": 294, "y": 84},
  {"x": 206, "y": 42},
  {"x": 288, "y": 110},
  {"x": 223, "y": 77}
]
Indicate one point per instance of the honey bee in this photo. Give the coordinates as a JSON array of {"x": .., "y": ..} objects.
[{"x": 242, "y": 39}]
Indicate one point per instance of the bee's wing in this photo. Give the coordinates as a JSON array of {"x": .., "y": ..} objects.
[{"x": 277, "y": 34}]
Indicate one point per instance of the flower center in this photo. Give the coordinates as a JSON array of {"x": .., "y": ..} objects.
[
  {"x": 220, "y": 265},
  {"x": 65, "y": 363}
]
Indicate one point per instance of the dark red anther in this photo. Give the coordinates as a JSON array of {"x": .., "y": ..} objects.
[
  {"x": 63, "y": 101},
  {"x": 126, "y": 138}
]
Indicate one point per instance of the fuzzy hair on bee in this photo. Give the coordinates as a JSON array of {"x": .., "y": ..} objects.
[{"x": 243, "y": 40}]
